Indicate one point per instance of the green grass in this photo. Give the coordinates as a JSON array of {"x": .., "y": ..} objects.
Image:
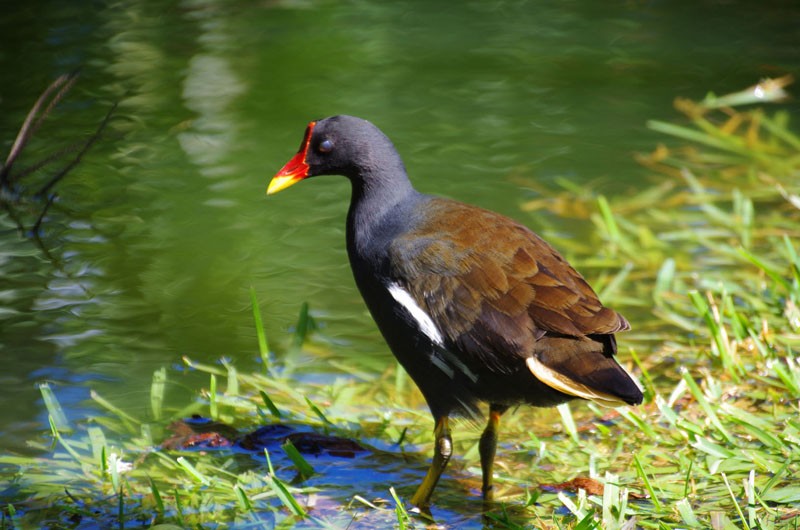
[{"x": 704, "y": 261}]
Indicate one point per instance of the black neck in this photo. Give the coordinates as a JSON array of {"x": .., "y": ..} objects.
[{"x": 376, "y": 191}]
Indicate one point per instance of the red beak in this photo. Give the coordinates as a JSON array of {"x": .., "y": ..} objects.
[{"x": 295, "y": 169}]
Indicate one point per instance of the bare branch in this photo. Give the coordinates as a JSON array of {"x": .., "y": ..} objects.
[
  {"x": 66, "y": 169},
  {"x": 63, "y": 83},
  {"x": 73, "y": 147},
  {"x": 38, "y": 223}
]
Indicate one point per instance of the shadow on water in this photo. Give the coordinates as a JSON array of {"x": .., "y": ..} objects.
[{"x": 343, "y": 473}]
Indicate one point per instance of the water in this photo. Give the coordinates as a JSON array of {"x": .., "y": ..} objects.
[{"x": 159, "y": 233}]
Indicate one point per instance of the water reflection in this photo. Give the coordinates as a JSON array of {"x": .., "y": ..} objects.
[{"x": 161, "y": 231}]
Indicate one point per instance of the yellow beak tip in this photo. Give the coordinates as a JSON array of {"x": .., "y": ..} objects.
[{"x": 281, "y": 183}]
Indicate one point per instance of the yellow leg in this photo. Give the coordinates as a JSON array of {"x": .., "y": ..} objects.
[
  {"x": 442, "y": 450},
  {"x": 487, "y": 448}
]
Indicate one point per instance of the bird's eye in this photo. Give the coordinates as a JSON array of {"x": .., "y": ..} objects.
[{"x": 325, "y": 146}]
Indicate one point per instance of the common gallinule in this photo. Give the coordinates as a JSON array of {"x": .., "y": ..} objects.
[{"x": 475, "y": 306}]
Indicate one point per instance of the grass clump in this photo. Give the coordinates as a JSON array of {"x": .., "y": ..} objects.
[
  {"x": 709, "y": 257},
  {"x": 704, "y": 261}
]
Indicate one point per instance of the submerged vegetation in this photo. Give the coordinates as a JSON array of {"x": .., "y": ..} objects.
[{"x": 703, "y": 260}]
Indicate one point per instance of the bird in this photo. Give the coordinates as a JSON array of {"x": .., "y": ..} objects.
[{"x": 476, "y": 307}]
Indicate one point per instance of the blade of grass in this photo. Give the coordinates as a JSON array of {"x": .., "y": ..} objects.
[
  {"x": 120, "y": 506},
  {"x": 643, "y": 425},
  {"x": 365, "y": 502},
  {"x": 403, "y": 517},
  {"x": 587, "y": 523},
  {"x": 213, "y": 406},
  {"x": 735, "y": 503},
  {"x": 64, "y": 443},
  {"x": 608, "y": 219},
  {"x": 270, "y": 405},
  {"x": 14, "y": 518},
  {"x": 130, "y": 422},
  {"x": 263, "y": 346},
  {"x": 781, "y": 131},
  {"x": 207, "y": 368},
  {"x": 717, "y": 331},
  {"x": 789, "y": 374},
  {"x": 568, "y": 421},
  {"x": 610, "y": 504},
  {"x": 664, "y": 280},
  {"x": 647, "y": 484},
  {"x": 303, "y": 467},
  {"x": 750, "y": 491},
  {"x": 192, "y": 471},
  {"x": 316, "y": 410},
  {"x": 97, "y": 440},
  {"x": 571, "y": 506},
  {"x": 242, "y": 499},
  {"x": 157, "y": 389},
  {"x": 687, "y": 513},
  {"x": 648, "y": 386},
  {"x": 693, "y": 135},
  {"x": 611, "y": 288},
  {"x": 687, "y": 479},
  {"x": 113, "y": 468},
  {"x": 156, "y": 497},
  {"x": 706, "y": 406},
  {"x": 302, "y": 328},
  {"x": 281, "y": 491},
  {"x": 232, "y": 388},
  {"x": 179, "y": 509},
  {"x": 768, "y": 268},
  {"x": 54, "y": 409}
]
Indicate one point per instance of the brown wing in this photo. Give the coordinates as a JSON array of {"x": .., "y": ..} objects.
[{"x": 493, "y": 287}]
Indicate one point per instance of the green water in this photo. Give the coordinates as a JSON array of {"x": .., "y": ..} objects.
[{"x": 158, "y": 234}]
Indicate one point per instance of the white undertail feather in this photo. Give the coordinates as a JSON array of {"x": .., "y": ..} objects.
[
  {"x": 568, "y": 386},
  {"x": 424, "y": 322}
]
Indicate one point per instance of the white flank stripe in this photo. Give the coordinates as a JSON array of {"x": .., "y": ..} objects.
[{"x": 424, "y": 322}]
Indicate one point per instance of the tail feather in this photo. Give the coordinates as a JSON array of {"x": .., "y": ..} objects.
[{"x": 584, "y": 368}]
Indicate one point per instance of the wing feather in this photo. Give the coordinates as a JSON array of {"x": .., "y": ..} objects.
[{"x": 494, "y": 306}]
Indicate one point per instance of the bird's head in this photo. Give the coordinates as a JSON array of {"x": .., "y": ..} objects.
[{"x": 339, "y": 145}]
